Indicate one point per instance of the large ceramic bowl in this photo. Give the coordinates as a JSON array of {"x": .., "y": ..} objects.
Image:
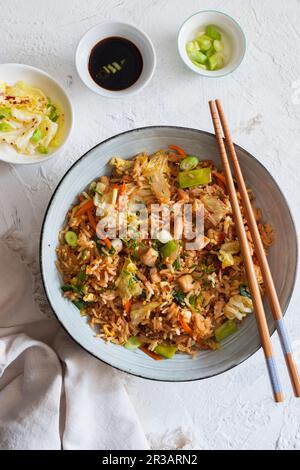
[{"x": 283, "y": 255}]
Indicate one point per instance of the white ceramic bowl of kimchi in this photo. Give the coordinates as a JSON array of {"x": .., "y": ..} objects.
[{"x": 36, "y": 115}]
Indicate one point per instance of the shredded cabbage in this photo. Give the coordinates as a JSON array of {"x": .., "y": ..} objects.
[
  {"x": 227, "y": 250},
  {"x": 215, "y": 207},
  {"x": 127, "y": 283},
  {"x": 121, "y": 165},
  {"x": 238, "y": 307},
  {"x": 29, "y": 120},
  {"x": 140, "y": 312},
  {"x": 156, "y": 169}
]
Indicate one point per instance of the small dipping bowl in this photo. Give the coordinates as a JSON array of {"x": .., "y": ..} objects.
[
  {"x": 122, "y": 30},
  {"x": 232, "y": 33}
]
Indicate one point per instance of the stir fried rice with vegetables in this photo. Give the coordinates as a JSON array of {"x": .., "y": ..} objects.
[{"x": 153, "y": 293}]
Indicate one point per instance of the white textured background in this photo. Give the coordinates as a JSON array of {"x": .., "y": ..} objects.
[{"x": 262, "y": 103}]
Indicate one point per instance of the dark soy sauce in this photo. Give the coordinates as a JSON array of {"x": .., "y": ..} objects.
[{"x": 115, "y": 63}]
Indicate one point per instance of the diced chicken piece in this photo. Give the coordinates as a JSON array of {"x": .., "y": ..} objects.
[
  {"x": 215, "y": 236},
  {"x": 186, "y": 283},
  {"x": 117, "y": 244},
  {"x": 149, "y": 257},
  {"x": 183, "y": 195},
  {"x": 155, "y": 277}
]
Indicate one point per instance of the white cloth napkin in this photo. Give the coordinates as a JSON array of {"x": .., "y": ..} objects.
[{"x": 53, "y": 394}]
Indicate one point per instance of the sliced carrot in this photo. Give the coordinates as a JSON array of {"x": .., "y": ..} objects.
[
  {"x": 107, "y": 243},
  {"x": 123, "y": 188},
  {"x": 92, "y": 220},
  {"x": 152, "y": 354},
  {"x": 127, "y": 306},
  {"x": 185, "y": 326},
  {"x": 178, "y": 150},
  {"x": 221, "y": 179},
  {"x": 89, "y": 204}
]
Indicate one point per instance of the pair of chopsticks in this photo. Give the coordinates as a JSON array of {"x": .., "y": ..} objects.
[{"x": 218, "y": 114}]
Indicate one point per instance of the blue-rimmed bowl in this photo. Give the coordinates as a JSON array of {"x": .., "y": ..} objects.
[
  {"x": 282, "y": 256},
  {"x": 233, "y": 36}
]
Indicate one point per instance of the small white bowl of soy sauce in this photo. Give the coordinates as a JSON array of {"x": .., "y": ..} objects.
[{"x": 115, "y": 59}]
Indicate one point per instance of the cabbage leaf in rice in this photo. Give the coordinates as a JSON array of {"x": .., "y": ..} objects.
[
  {"x": 140, "y": 312},
  {"x": 157, "y": 170},
  {"x": 215, "y": 207},
  {"x": 238, "y": 306},
  {"x": 127, "y": 284},
  {"x": 227, "y": 250},
  {"x": 121, "y": 165}
]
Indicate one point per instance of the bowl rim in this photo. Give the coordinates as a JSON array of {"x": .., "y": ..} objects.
[
  {"x": 122, "y": 93},
  {"x": 63, "y": 90},
  {"x": 153, "y": 127},
  {"x": 200, "y": 71}
]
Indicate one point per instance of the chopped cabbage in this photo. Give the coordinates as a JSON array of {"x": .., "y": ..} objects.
[
  {"x": 26, "y": 110},
  {"x": 127, "y": 283},
  {"x": 238, "y": 307},
  {"x": 156, "y": 169},
  {"x": 215, "y": 207},
  {"x": 227, "y": 250},
  {"x": 140, "y": 312},
  {"x": 121, "y": 165}
]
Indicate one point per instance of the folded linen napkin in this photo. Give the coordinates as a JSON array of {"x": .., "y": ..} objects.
[{"x": 53, "y": 394}]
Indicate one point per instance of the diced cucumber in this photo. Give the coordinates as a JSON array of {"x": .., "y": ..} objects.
[
  {"x": 213, "y": 32},
  {"x": 226, "y": 329},
  {"x": 204, "y": 42}
]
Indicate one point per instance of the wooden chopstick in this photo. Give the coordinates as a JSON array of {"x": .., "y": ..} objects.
[
  {"x": 261, "y": 255},
  {"x": 253, "y": 284}
]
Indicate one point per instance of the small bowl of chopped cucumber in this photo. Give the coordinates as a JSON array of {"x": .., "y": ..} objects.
[{"x": 211, "y": 43}]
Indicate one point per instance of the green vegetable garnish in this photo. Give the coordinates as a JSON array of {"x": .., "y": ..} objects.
[
  {"x": 218, "y": 45},
  {"x": 192, "y": 300},
  {"x": 5, "y": 112},
  {"x": 176, "y": 263},
  {"x": 178, "y": 297},
  {"x": 133, "y": 343},
  {"x": 189, "y": 163},
  {"x": 82, "y": 274},
  {"x": 166, "y": 350},
  {"x": 204, "y": 42},
  {"x": 112, "y": 68},
  {"x": 53, "y": 115},
  {"x": 198, "y": 57},
  {"x": 227, "y": 329},
  {"x": 216, "y": 61},
  {"x": 71, "y": 238},
  {"x": 42, "y": 149},
  {"x": 5, "y": 127},
  {"x": 117, "y": 66},
  {"x": 206, "y": 51},
  {"x": 244, "y": 291},
  {"x": 80, "y": 304},
  {"x": 192, "y": 46},
  {"x": 36, "y": 136},
  {"x": 188, "y": 179},
  {"x": 168, "y": 248},
  {"x": 66, "y": 288},
  {"x": 212, "y": 32},
  {"x": 210, "y": 52}
]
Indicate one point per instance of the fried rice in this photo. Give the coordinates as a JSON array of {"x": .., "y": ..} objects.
[{"x": 154, "y": 293}]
